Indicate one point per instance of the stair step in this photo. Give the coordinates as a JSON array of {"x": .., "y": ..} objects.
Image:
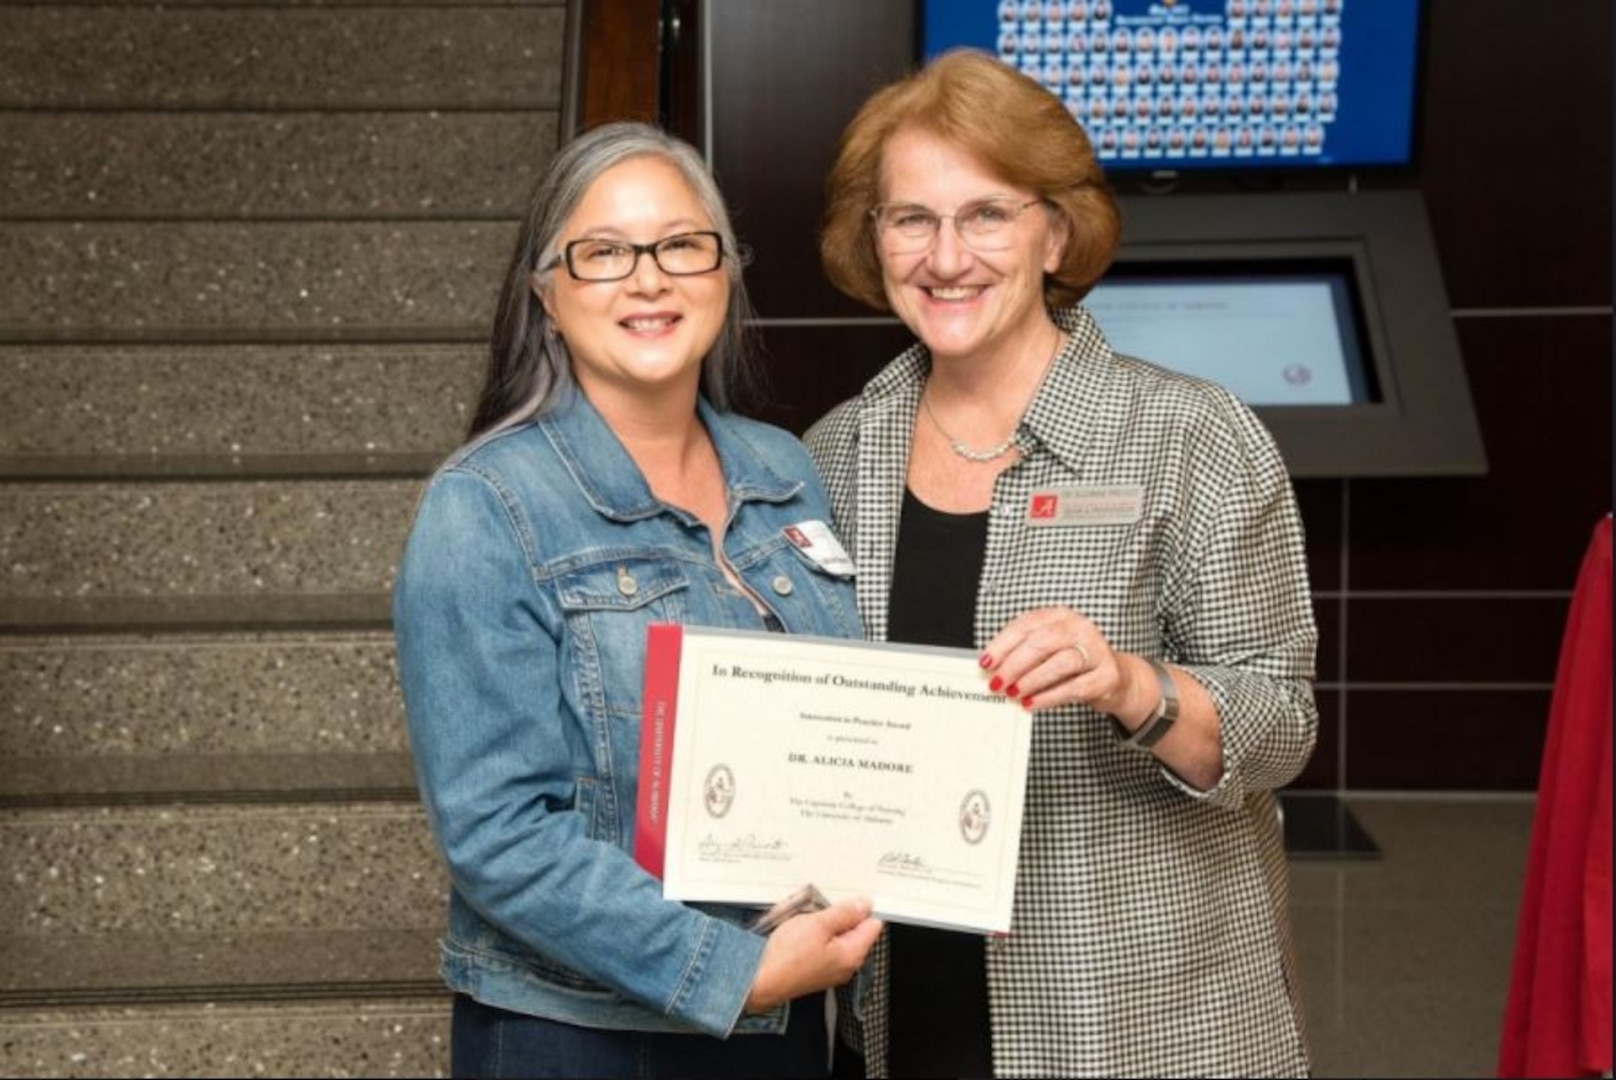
[
  {"x": 54, "y": 970},
  {"x": 103, "y": 467},
  {"x": 141, "y": 873},
  {"x": 158, "y": 278},
  {"x": 245, "y": 717},
  {"x": 129, "y": 57},
  {"x": 28, "y": 616},
  {"x": 41, "y": 334},
  {"x": 249, "y": 256},
  {"x": 189, "y": 694},
  {"x": 202, "y": 539},
  {"x": 263, "y": 165},
  {"x": 222, "y": 409},
  {"x": 196, "y": 779},
  {"x": 313, "y": 3},
  {"x": 368, "y": 1036}
]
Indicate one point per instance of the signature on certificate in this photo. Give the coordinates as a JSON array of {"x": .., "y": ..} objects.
[
  {"x": 906, "y": 864},
  {"x": 902, "y": 861},
  {"x": 743, "y": 848}
]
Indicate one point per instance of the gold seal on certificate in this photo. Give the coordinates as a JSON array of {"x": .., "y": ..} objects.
[{"x": 771, "y": 762}]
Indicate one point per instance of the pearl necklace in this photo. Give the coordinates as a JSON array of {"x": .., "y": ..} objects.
[{"x": 963, "y": 449}]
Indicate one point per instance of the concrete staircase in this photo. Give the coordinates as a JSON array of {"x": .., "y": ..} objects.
[{"x": 248, "y": 254}]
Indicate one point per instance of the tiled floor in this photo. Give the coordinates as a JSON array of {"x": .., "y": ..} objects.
[{"x": 1405, "y": 959}]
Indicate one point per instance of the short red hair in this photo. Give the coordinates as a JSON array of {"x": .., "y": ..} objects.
[{"x": 1018, "y": 129}]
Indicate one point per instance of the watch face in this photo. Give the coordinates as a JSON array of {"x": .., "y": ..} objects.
[
  {"x": 1166, "y": 709},
  {"x": 1161, "y": 718},
  {"x": 1151, "y": 734}
]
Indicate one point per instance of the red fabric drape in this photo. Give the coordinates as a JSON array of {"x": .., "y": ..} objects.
[{"x": 1557, "y": 1020}]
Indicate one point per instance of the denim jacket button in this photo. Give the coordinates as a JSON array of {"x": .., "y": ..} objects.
[
  {"x": 626, "y": 583},
  {"x": 782, "y": 585}
]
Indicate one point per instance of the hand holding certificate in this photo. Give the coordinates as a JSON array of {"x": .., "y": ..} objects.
[{"x": 770, "y": 762}]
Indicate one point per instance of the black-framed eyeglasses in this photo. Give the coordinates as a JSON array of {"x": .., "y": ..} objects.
[
  {"x": 600, "y": 259},
  {"x": 984, "y": 225}
]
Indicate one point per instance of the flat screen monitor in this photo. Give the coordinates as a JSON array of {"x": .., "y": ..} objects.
[
  {"x": 1323, "y": 311},
  {"x": 1274, "y": 333},
  {"x": 1199, "y": 85}
]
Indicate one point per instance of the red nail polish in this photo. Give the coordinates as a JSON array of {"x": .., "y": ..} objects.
[
  {"x": 1026, "y": 702},
  {"x": 1012, "y": 691},
  {"x": 985, "y": 660},
  {"x": 996, "y": 683}
]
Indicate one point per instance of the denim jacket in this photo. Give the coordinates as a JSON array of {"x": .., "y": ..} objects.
[{"x": 538, "y": 558}]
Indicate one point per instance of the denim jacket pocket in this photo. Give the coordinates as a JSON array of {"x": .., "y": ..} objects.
[
  {"x": 626, "y": 581},
  {"x": 608, "y": 604}
]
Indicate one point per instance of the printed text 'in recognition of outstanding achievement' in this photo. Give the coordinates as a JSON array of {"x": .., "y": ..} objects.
[{"x": 769, "y": 762}]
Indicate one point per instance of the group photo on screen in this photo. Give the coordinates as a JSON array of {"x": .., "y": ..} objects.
[{"x": 1192, "y": 84}]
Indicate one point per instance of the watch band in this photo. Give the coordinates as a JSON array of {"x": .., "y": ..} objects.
[{"x": 1161, "y": 720}]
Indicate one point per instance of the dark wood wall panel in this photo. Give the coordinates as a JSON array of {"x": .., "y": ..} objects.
[
  {"x": 1327, "y": 613},
  {"x": 1476, "y": 640},
  {"x": 1445, "y": 740},
  {"x": 1449, "y": 593},
  {"x": 1542, "y": 388},
  {"x": 1516, "y": 150},
  {"x": 787, "y": 78},
  {"x": 1319, "y": 501},
  {"x": 812, "y": 368}
]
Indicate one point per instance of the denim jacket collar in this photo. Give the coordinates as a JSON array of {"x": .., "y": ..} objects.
[{"x": 613, "y": 484}]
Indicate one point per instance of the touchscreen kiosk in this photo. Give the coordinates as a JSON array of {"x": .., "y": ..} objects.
[
  {"x": 1323, "y": 311},
  {"x": 1273, "y": 332}
]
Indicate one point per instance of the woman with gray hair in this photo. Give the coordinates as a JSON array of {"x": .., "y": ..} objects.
[{"x": 605, "y": 488}]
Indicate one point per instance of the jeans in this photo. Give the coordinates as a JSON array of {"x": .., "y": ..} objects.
[{"x": 494, "y": 1043}]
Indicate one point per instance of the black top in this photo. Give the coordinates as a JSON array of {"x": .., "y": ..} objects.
[{"x": 939, "y": 1016}]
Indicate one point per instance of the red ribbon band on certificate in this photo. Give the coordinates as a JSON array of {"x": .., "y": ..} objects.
[{"x": 658, "y": 711}]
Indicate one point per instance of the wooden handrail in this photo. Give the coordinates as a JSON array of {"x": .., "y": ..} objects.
[{"x": 617, "y": 63}]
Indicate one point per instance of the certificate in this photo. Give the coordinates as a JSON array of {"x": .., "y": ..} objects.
[{"x": 769, "y": 762}]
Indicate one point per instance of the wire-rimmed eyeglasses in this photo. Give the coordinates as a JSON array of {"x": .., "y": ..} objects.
[
  {"x": 597, "y": 258},
  {"x": 984, "y": 225}
]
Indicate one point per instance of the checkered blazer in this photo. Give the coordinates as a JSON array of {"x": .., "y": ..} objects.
[{"x": 1151, "y": 935}]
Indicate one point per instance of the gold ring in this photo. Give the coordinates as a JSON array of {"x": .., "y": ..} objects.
[{"x": 1084, "y": 653}]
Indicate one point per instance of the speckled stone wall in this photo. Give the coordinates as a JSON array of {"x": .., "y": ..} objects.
[
  {"x": 262, "y": 966},
  {"x": 350, "y": 58},
  {"x": 237, "y": 399},
  {"x": 249, "y": 254},
  {"x": 202, "y": 539},
  {"x": 82, "y": 717},
  {"x": 218, "y": 869},
  {"x": 199, "y": 695},
  {"x": 236, "y": 165},
  {"x": 335, "y": 1039},
  {"x": 273, "y": 277}
]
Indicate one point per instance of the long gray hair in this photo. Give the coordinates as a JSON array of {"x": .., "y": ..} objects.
[{"x": 527, "y": 361}]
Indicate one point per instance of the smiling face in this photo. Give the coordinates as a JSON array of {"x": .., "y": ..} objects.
[
  {"x": 963, "y": 303},
  {"x": 649, "y": 332}
]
